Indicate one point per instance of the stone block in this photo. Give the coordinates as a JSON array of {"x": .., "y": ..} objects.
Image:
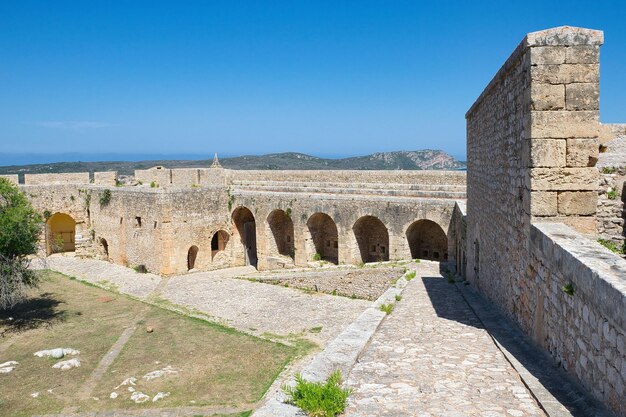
[
  {"x": 547, "y": 96},
  {"x": 582, "y": 152},
  {"x": 563, "y": 179},
  {"x": 543, "y": 203},
  {"x": 565, "y": 36},
  {"x": 546, "y": 55},
  {"x": 564, "y": 124},
  {"x": 583, "y": 54},
  {"x": 581, "y": 203},
  {"x": 548, "y": 153},
  {"x": 565, "y": 73},
  {"x": 582, "y": 96}
]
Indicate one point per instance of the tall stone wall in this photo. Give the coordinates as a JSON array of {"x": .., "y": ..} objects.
[
  {"x": 11, "y": 178},
  {"x": 532, "y": 141},
  {"x": 61, "y": 179}
]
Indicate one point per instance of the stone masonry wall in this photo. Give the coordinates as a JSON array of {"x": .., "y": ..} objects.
[
  {"x": 581, "y": 308},
  {"x": 11, "y": 178},
  {"x": 533, "y": 140},
  {"x": 47, "y": 179}
]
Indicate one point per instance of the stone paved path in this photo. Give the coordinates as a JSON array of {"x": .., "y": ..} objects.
[
  {"x": 263, "y": 308},
  {"x": 432, "y": 358}
]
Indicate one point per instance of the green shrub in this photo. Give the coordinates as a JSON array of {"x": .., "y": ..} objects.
[
  {"x": 609, "y": 170},
  {"x": 611, "y": 194},
  {"x": 416, "y": 261},
  {"x": 386, "y": 308},
  {"x": 319, "y": 399},
  {"x": 105, "y": 198},
  {"x": 398, "y": 297},
  {"x": 317, "y": 257},
  {"x": 568, "y": 289},
  {"x": 410, "y": 275},
  {"x": 613, "y": 247},
  {"x": 154, "y": 185}
]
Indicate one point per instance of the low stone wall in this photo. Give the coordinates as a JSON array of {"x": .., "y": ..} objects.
[
  {"x": 611, "y": 215},
  {"x": 365, "y": 283},
  {"x": 61, "y": 179},
  {"x": 105, "y": 178},
  {"x": 11, "y": 178},
  {"x": 580, "y": 314}
]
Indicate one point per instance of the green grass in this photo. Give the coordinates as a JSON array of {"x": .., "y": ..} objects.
[
  {"x": 410, "y": 275},
  {"x": 398, "y": 297},
  {"x": 386, "y": 308},
  {"x": 319, "y": 399},
  {"x": 613, "y": 247},
  {"x": 611, "y": 194},
  {"x": 217, "y": 365}
]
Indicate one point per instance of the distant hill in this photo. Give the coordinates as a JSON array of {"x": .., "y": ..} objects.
[{"x": 399, "y": 160}]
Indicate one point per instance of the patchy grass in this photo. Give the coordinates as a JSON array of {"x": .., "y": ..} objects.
[
  {"x": 319, "y": 399},
  {"x": 387, "y": 308},
  {"x": 216, "y": 365},
  {"x": 613, "y": 247}
]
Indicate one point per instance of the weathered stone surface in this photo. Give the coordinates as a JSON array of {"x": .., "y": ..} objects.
[
  {"x": 11, "y": 178},
  {"x": 547, "y": 153},
  {"x": 547, "y": 96},
  {"x": 564, "y": 124},
  {"x": 543, "y": 203},
  {"x": 582, "y": 54},
  {"x": 566, "y": 73},
  {"x": 582, "y": 152},
  {"x": 582, "y": 96},
  {"x": 547, "y": 55},
  {"x": 565, "y": 36},
  {"x": 564, "y": 179},
  {"x": 577, "y": 202}
]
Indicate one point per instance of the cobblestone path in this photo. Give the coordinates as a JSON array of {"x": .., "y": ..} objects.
[
  {"x": 263, "y": 308},
  {"x": 432, "y": 358}
]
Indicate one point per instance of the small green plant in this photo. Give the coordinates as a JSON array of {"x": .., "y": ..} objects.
[
  {"x": 317, "y": 257},
  {"x": 609, "y": 170},
  {"x": 416, "y": 261},
  {"x": 231, "y": 201},
  {"x": 386, "y": 308},
  {"x": 118, "y": 183},
  {"x": 613, "y": 247},
  {"x": 410, "y": 275},
  {"x": 398, "y": 297},
  {"x": 47, "y": 214},
  {"x": 154, "y": 185},
  {"x": 611, "y": 194},
  {"x": 319, "y": 399},
  {"x": 334, "y": 292},
  {"x": 140, "y": 269},
  {"x": 316, "y": 329},
  {"x": 72, "y": 198},
  {"x": 288, "y": 212},
  {"x": 360, "y": 264},
  {"x": 105, "y": 198},
  {"x": 568, "y": 289}
]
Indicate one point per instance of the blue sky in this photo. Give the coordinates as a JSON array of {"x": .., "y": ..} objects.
[{"x": 327, "y": 78}]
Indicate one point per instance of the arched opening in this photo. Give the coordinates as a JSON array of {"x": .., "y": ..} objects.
[
  {"x": 325, "y": 237},
  {"x": 427, "y": 240},
  {"x": 246, "y": 227},
  {"x": 192, "y": 254},
  {"x": 60, "y": 233},
  {"x": 104, "y": 247},
  {"x": 281, "y": 226},
  {"x": 372, "y": 238},
  {"x": 218, "y": 242}
]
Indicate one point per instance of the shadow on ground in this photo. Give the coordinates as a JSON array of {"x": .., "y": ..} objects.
[
  {"x": 557, "y": 392},
  {"x": 33, "y": 313}
]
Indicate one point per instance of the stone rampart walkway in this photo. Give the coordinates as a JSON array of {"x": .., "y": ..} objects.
[{"x": 432, "y": 358}]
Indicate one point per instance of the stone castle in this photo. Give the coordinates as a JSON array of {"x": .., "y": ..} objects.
[{"x": 544, "y": 182}]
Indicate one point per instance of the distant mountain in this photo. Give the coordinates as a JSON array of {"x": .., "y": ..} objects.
[{"x": 399, "y": 160}]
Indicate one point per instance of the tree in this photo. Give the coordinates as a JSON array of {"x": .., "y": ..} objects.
[{"x": 20, "y": 226}]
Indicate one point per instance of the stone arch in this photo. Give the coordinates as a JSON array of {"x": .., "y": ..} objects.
[
  {"x": 325, "y": 236},
  {"x": 60, "y": 233},
  {"x": 104, "y": 248},
  {"x": 218, "y": 242},
  {"x": 192, "y": 255},
  {"x": 245, "y": 226},
  {"x": 427, "y": 240},
  {"x": 281, "y": 226},
  {"x": 372, "y": 239}
]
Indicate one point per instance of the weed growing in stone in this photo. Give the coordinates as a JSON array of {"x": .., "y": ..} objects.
[
  {"x": 154, "y": 185},
  {"x": 105, "y": 198},
  {"x": 387, "y": 308},
  {"x": 609, "y": 170},
  {"x": 319, "y": 399},
  {"x": 613, "y": 247},
  {"x": 410, "y": 275},
  {"x": 568, "y": 289},
  {"x": 398, "y": 297},
  {"x": 416, "y": 261},
  {"x": 611, "y": 194},
  {"x": 317, "y": 257},
  {"x": 316, "y": 329}
]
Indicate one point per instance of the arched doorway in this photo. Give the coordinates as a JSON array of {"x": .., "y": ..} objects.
[
  {"x": 60, "y": 233},
  {"x": 427, "y": 240},
  {"x": 104, "y": 247},
  {"x": 325, "y": 237},
  {"x": 246, "y": 227},
  {"x": 218, "y": 242},
  {"x": 372, "y": 238},
  {"x": 281, "y": 226},
  {"x": 192, "y": 254}
]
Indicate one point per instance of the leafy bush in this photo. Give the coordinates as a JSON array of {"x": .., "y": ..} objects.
[
  {"x": 611, "y": 194},
  {"x": 105, "y": 198},
  {"x": 154, "y": 185},
  {"x": 319, "y": 399},
  {"x": 317, "y": 257},
  {"x": 410, "y": 275},
  {"x": 568, "y": 289}
]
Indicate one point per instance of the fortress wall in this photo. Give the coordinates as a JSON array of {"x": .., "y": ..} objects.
[
  {"x": 132, "y": 226},
  {"x": 584, "y": 331},
  {"x": 532, "y": 140},
  {"x": 49, "y": 179},
  {"x": 105, "y": 178},
  {"x": 161, "y": 176},
  {"x": 351, "y": 177},
  {"x": 11, "y": 178}
]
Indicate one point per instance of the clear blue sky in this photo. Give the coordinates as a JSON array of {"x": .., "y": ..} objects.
[{"x": 248, "y": 77}]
